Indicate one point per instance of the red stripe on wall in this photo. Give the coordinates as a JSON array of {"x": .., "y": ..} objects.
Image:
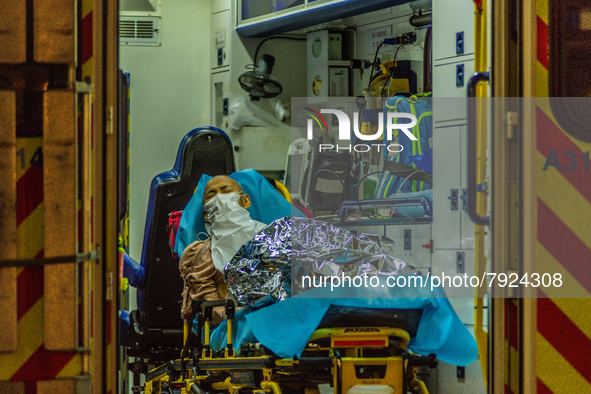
[
  {"x": 542, "y": 43},
  {"x": 29, "y": 284},
  {"x": 552, "y": 138},
  {"x": 29, "y": 192},
  {"x": 87, "y": 27},
  {"x": 511, "y": 324},
  {"x": 43, "y": 365},
  {"x": 566, "y": 247},
  {"x": 31, "y": 387},
  {"x": 565, "y": 336}
]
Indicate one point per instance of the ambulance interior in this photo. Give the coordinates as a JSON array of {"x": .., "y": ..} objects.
[{"x": 184, "y": 63}]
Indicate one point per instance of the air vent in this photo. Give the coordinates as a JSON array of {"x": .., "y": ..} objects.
[{"x": 139, "y": 31}]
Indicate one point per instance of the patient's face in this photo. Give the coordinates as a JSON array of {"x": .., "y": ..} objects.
[{"x": 222, "y": 184}]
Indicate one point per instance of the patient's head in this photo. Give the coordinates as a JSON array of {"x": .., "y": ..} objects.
[{"x": 223, "y": 184}]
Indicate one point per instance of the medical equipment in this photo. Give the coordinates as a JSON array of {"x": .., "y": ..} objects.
[
  {"x": 331, "y": 181},
  {"x": 346, "y": 343},
  {"x": 299, "y": 158},
  {"x": 259, "y": 82},
  {"x": 332, "y": 358}
]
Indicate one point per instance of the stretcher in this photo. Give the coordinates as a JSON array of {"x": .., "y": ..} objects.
[
  {"x": 351, "y": 351},
  {"x": 343, "y": 345},
  {"x": 311, "y": 344}
]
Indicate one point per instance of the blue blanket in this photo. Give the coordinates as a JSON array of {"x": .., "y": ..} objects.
[{"x": 286, "y": 327}]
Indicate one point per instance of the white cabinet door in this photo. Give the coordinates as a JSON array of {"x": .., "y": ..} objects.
[
  {"x": 446, "y": 187},
  {"x": 220, "y": 40},
  {"x": 220, "y": 96},
  {"x": 448, "y": 382},
  {"x": 449, "y": 18},
  {"x": 446, "y": 84},
  {"x": 455, "y": 268},
  {"x": 412, "y": 244}
]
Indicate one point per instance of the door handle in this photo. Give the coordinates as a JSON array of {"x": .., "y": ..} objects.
[{"x": 472, "y": 211}]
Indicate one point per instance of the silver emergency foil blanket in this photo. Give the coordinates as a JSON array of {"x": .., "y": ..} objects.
[{"x": 263, "y": 268}]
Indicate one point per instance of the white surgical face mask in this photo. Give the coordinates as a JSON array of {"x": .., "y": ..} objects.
[{"x": 231, "y": 227}]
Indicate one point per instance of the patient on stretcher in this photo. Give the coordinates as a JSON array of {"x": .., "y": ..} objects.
[
  {"x": 201, "y": 265},
  {"x": 260, "y": 261},
  {"x": 262, "y": 269}
]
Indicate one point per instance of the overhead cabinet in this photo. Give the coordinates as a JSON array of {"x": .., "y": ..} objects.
[{"x": 260, "y": 18}]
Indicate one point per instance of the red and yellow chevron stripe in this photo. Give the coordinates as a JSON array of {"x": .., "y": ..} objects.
[
  {"x": 563, "y": 241},
  {"x": 39, "y": 215},
  {"x": 32, "y": 365},
  {"x": 32, "y": 362},
  {"x": 86, "y": 34}
]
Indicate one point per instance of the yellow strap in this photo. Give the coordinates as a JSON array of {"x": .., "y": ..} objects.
[
  {"x": 417, "y": 142},
  {"x": 417, "y": 132},
  {"x": 417, "y": 149},
  {"x": 387, "y": 186},
  {"x": 283, "y": 190}
]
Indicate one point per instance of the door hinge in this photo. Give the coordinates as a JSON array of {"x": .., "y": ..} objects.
[
  {"x": 109, "y": 287},
  {"x": 453, "y": 198},
  {"x": 512, "y": 123},
  {"x": 111, "y": 121},
  {"x": 83, "y": 87}
]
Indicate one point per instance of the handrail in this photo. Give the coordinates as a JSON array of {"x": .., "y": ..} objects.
[
  {"x": 472, "y": 150},
  {"x": 391, "y": 201}
]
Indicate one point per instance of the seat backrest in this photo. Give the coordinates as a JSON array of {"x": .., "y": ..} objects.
[{"x": 205, "y": 150}]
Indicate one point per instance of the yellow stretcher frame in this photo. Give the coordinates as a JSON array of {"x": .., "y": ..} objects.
[{"x": 400, "y": 372}]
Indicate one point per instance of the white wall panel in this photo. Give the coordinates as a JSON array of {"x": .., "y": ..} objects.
[{"x": 170, "y": 96}]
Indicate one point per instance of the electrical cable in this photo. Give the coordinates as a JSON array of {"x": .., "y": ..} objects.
[
  {"x": 359, "y": 164},
  {"x": 373, "y": 64},
  {"x": 407, "y": 177},
  {"x": 396, "y": 54},
  {"x": 256, "y": 52},
  {"x": 393, "y": 65},
  {"x": 384, "y": 85},
  {"x": 364, "y": 211}
]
